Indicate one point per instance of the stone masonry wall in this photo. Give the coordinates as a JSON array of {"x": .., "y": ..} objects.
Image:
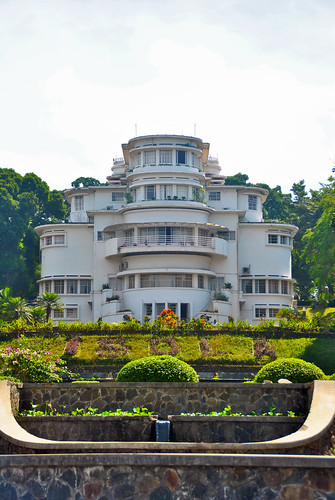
[
  {"x": 169, "y": 399},
  {"x": 66, "y": 477}
]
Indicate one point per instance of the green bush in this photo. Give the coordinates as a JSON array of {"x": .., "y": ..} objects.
[
  {"x": 331, "y": 377},
  {"x": 293, "y": 369},
  {"x": 157, "y": 369}
]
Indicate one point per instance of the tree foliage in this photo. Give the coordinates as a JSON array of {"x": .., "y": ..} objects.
[{"x": 25, "y": 202}]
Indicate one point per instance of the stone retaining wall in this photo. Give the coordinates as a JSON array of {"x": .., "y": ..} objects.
[
  {"x": 157, "y": 477},
  {"x": 169, "y": 399},
  {"x": 141, "y": 428}
]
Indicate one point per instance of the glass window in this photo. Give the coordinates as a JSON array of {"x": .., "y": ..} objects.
[
  {"x": 260, "y": 286},
  {"x": 58, "y": 314},
  {"x": 273, "y": 286},
  {"x": 214, "y": 196},
  {"x": 273, "y": 312},
  {"x": 139, "y": 159},
  {"x": 150, "y": 192},
  {"x": 181, "y": 192},
  {"x": 273, "y": 239},
  {"x": 48, "y": 240},
  {"x": 284, "y": 287},
  {"x": 85, "y": 286},
  {"x": 201, "y": 281},
  {"x": 117, "y": 196},
  {"x": 59, "y": 286},
  {"x": 173, "y": 307},
  {"x": 149, "y": 157},
  {"x": 72, "y": 313},
  {"x": 59, "y": 239},
  {"x": 192, "y": 159},
  {"x": 79, "y": 203},
  {"x": 167, "y": 191},
  {"x": 252, "y": 202},
  {"x": 131, "y": 283},
  {"x": 247, "y": 286},
  {"x": 260, "y": 312},
  {"x": 159, "y": 308},
  {"x": 148, "y": 309},
  {"x": 180, "y": 157},
  {"x": 283, "y": 240},
  {"x": 165, "y": 157},
  {"x": 72, "y": 286},
  {"x": 47, "y": 286}
]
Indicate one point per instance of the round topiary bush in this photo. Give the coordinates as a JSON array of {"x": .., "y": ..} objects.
[
  {"x": 293, "y": 369},
  {"x": 157, "y": 369}
]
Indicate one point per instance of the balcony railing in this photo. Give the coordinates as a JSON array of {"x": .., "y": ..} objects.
[{"x": 147, "y": 241}]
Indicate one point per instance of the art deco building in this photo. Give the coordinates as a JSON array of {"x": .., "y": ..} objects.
[{"x": 167, "y": 232}]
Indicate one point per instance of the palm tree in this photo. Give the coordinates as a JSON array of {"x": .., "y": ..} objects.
[
  {"x": 15, "y": 308},
  {"x": 50, "y": 301},
  {"x": 38, "y": 314}
]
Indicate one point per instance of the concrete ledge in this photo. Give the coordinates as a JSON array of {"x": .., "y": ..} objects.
[
  {"x": 318, "y": 422},
  {"x": 168, "y": 459}
]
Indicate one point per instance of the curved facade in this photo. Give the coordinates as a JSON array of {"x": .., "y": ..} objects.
[{"x": 167, "y": 232}]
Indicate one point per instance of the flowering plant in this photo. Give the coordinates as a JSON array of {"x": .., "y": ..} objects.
[
  {"x": 167, "y": 319},
  {"x": 31, "y": 366}
]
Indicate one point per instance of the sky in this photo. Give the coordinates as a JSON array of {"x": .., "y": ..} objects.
[{"x": 254, "y": 78}]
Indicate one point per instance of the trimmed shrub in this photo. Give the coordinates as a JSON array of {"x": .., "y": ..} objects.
[
  {"x": 157, "y": 369},
  {"x": 331, "y": 377},
  {"x": 293, "y": 369}
]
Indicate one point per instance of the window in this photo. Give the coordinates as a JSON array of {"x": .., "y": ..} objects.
[
  {"x": 150, "y": 192},
  {"x": 59, "y": 239},
  {"x": 48, "y": 240},
  {"x": 148, "y": 309},
  {"x": 118, "y": 196},
  {"x": 273, "y": 312},
  {"x": 71, "y": 313},
  {"x": 131, "y": 283},
  {"x": 192, "y": 159},
  {"x": 165, "y": 157},
  {"x": 159, "y": 308},
  {"x": 247, "y": 286},
  {"x": 58, "y": 314},
  {"x": 181, "y": 192},
  {"x": 273, "y": 239},
  {"x": 252, "y": 202},
  {"x": 149, "y": 157},
  {"x": 173, "y": 307},
  {"x": 273, "y": 286},
  {"x": 59, "y": 286},
  {"x": 180, "y": 157},
  {"x": 167, "y": 191},
  {"x": 85, "y": 286},
  {"x": 71, "y": 286},
  {"x": 201, "y": 281},
  {"x": 284, "y": 287},
  {"x": 99, "y": 235},
  {"x": 260, "y": 286},
  {"x": 260, "y": 312},
  {"x": 47, "y": 286},
  {"x": 78, "y": 203},
  {"x": 283, "y": 240},
  {"x": 166, "y": 280},
  {"x": 138, "y": 159},
  {"x": 227, "y": 235},
  {"x": 214, "y": 196}
]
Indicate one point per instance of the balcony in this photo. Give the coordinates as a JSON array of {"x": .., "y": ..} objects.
[{"x": 173, "y": 244}]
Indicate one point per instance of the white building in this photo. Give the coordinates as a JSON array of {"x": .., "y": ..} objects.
[{"x": 167, "y": 232}]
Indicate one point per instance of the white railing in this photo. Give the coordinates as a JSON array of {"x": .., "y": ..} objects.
[{"x": 148, "y": 241}]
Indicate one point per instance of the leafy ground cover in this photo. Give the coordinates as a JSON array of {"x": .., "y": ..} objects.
[{"x": 203, "y": 348}]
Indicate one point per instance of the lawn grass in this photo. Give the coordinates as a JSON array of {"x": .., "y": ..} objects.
[{"x": 219, "y": 349}]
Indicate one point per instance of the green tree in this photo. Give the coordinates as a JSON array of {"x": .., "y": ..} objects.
[
  {"x": 86, "y": 182},
  {"x": 15, "y": 308},
  {"x": 237, "y": 180},
  {"x": 319, "y": 245},
  {"x": 50, "y": 301}
]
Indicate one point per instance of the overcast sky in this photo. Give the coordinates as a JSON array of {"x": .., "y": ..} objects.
[{"x": 254, "y": 78}]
